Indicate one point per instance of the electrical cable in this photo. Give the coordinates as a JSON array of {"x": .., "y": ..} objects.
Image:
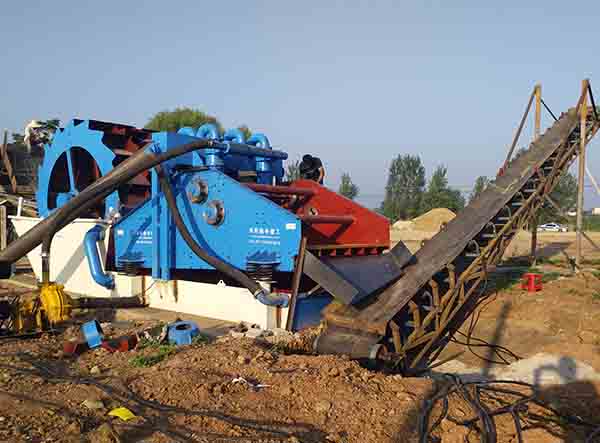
[
  {"x": 485, "y": 416},
  {"x": 548, "y": 109},
  {"x": 498, "y": 349}
]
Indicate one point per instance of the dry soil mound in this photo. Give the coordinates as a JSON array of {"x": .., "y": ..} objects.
[
  {"x": 432, "y": 220},
  {"x": 402, "y": 224}
]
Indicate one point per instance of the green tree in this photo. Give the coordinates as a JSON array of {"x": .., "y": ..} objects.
[
  {"x": 180, "y": 117},
  {"x": 480, "y": 184},
  {"x": 174, "y": 120},
  {"x": 440, "y": 195},
  {"x": 404, "y": 189},
  {"x": 292, "y": 170},
  {"x": 347, "y": 188}
]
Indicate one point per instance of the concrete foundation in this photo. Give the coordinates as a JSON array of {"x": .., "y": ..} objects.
[{"x": 69, "y": 267}]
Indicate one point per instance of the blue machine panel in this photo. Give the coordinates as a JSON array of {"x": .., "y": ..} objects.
[{"x": 252, "y": 230}]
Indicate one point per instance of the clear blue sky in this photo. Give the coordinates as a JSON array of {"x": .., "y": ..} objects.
[{"x": 356, "y": 83}]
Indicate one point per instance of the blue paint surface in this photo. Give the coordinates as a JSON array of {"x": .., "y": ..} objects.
[{"x": 254, "y": 230}]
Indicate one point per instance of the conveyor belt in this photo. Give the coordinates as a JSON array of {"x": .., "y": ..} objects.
[{"x": 409, "y": 320}]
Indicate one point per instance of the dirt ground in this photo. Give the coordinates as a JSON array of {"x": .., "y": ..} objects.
[
  {"x": 242, "y": 390},
  {"x": 197, "y": 394},
  {"x": 235, "y": 390}
]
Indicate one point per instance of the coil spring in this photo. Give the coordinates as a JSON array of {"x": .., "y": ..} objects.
[
  {"x": 130, "y": 267},
  {"x": 261, "y": 271}
]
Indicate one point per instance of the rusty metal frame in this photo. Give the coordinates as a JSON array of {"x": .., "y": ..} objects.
[{"x": 429, "y": 329}]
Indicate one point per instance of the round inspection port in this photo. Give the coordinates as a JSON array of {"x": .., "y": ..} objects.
[
  {"x": 214, "y": 214},
  {"x": 200, "y": 194}
]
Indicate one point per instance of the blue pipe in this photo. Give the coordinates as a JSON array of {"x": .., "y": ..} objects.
[
  {"x": 259, "y": 140},
  {"x": 209, "y": 131},
  {"x": 187, "y": 130},
  {"x": 251, "y": 151},
  {"x": 234, "y": 135},
  {"x": 90, "y": 243}
]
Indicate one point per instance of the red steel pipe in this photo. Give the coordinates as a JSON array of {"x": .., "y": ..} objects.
[
  {"x": 283, "y": 190},
  {"x": 328, "y": 219}
]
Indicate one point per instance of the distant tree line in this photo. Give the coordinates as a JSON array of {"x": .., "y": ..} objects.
[{"x": 408, "y": 195}]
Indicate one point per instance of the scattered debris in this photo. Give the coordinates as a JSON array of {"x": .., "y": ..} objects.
[
  {"x": 243, "y": 381},
  {"x": 121, "y": 344},
  {"x": 255, "y": 333},
  {"x": 122, "y": 413},
  {"x": 74, "y": 348},
  {"x": 93, "y": 404},
  {"x": 182, "y": 332},
  {"x": 155, "y": 334},
  {"x": 93, "y": 333},
  {"x": 104, "y": 433}
]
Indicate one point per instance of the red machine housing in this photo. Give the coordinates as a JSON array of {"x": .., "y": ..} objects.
[{"x": 333, "y": 224}]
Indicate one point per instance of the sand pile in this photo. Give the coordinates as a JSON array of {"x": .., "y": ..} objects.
[
  {"x": 402, "y": 224},
  {"x": 413, "y": 232},
  {"x": 432, "y": 220},
  {"x": 428, "y": 222}
]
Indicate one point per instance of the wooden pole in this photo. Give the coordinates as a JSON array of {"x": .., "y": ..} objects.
[
  {"x": 296, "y": 284},
  {"x": 7, "y": 163},
  {"x": 538, "y": 111},
  {"x": 536, "y": 133},
  {"x": 519, "y": 129},
  {"x": 583, "y": 110},
  {"x": 3, "y": 228}
]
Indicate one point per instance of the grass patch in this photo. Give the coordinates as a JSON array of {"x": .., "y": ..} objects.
[
  {"x": 596, "y": 296},
  {"x": 505, "y": 280},
  {"x": 200, "y": 340},
  {"x": 596, "y": 274},
  {"x": 591, "y": 223},
  {"x": 160, "y": 353},
  {"x": 550, "y": 276},
  {"x": 550, "y": 261},
  {"x": 144, "y": 343}
]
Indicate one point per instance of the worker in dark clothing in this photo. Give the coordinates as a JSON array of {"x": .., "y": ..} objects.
[{"x": 311, "y": 168}]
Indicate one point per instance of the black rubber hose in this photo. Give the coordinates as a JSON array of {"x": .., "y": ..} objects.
[
  {"x": 257, "y": 291},
  {"x": 44, "y": 231}
]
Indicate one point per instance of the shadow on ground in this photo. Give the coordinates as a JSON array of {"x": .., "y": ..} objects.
[{"x": 568, "y": 411}]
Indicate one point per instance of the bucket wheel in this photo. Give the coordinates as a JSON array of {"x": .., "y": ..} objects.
[{"x": 80, "y": 154}]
